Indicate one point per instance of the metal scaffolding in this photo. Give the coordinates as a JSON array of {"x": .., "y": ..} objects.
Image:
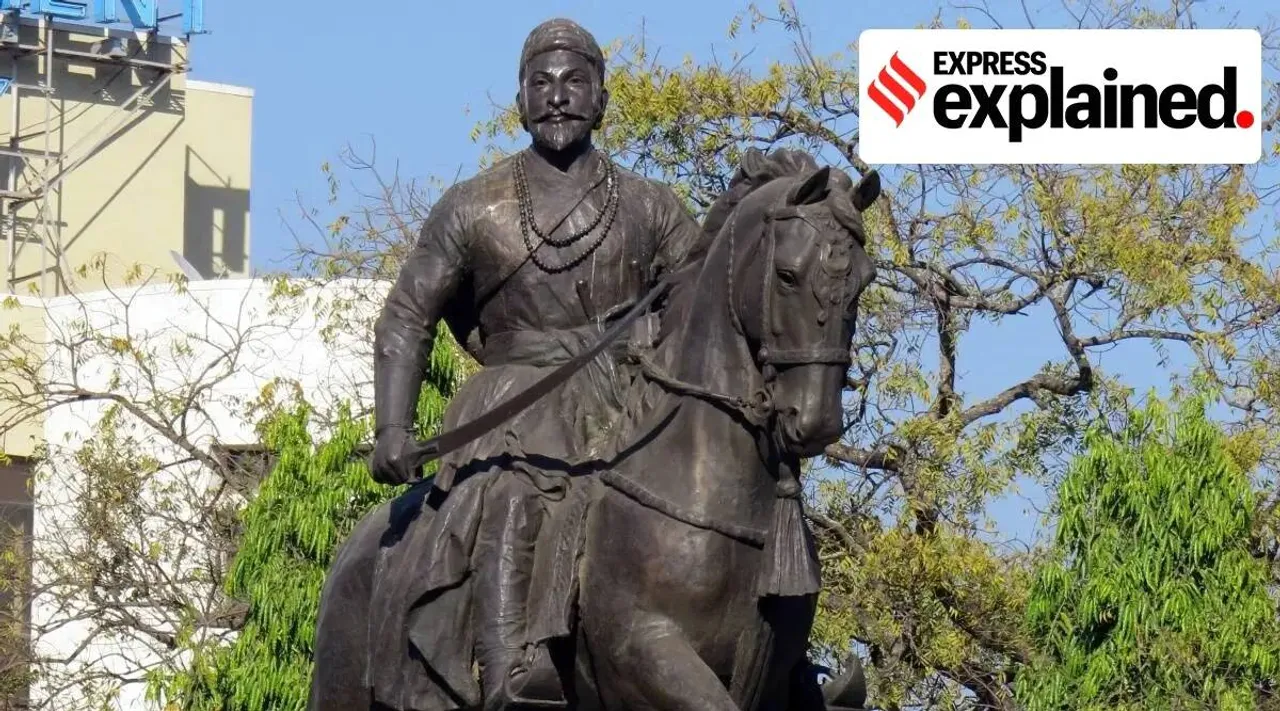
[{"x": 32, "y": 190}]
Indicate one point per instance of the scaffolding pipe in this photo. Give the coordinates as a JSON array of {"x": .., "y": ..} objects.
[
  {"x": 11, "y": 210},
  {"x": 55, "y": 232},
  {"x": 65, "y": 53},
  {"x": 89, "y": 136},
  {"x": 48, "y": 121},
  {"x": 144, "y": 93},
  {"x": 103, "y": 59},
  {"x": 21, "y": 153}
]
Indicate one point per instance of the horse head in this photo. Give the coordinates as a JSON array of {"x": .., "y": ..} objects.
[{"x": 797, "y": 268}]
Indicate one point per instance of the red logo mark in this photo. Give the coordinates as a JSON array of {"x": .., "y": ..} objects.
[{"x": 899, "y": 92}]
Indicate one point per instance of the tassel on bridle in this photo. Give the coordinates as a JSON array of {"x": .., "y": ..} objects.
[{"x": 791, "y": 565}]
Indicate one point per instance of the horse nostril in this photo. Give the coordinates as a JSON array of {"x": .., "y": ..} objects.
[{"x": 814, "y": 426}]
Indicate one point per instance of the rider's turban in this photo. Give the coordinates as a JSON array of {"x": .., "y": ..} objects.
[{"x": 560, "y": 33}]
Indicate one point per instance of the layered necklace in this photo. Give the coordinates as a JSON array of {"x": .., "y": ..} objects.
[{"x": 529, "y": 224}]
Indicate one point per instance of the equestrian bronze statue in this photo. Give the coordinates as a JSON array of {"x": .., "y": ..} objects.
[{"x": 615, "y": 521}]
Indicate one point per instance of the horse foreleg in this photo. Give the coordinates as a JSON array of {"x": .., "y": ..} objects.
[
  {"x": 340, "y": 652},
  {"x": 769, "y": 650},
  {"x": 646, "y": 663}
]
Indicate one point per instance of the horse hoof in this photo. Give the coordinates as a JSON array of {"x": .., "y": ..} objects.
[{"x": 847, "y": 692}]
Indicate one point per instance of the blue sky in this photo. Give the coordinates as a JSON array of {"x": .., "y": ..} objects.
[{"x": 327, "y": 73}]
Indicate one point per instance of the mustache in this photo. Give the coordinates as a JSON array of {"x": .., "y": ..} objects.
[{"x": 544, "y": 117}]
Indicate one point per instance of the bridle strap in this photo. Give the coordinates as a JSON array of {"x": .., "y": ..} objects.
[
  {"x": 768, "y": 356},
  {"x": 755, "y": 411},
  {"x": 807, "y": 356}
]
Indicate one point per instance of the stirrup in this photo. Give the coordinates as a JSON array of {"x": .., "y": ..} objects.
[{"x": 534, "y": 683}]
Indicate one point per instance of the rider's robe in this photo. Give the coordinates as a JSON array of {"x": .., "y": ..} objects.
[{"x": 472, "y": 268}]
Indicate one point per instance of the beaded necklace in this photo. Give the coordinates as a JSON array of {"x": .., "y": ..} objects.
[{"x": 528, "y": 223}]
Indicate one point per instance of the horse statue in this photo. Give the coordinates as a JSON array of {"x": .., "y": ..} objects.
[{"x": 690, "y": 580}]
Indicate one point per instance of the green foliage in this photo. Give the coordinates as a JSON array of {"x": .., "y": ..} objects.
[
  {"x": 1152, "y": 598},
  {"x": 316, "y": 492}
]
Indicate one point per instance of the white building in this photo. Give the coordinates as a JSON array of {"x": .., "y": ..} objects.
[{"x": 144, "y": 384}]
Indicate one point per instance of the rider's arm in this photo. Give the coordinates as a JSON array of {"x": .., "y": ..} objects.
[{"x": 405, "y": 330}]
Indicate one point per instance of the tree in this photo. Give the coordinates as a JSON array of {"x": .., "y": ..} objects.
[
  {"x": 1176, "y": 258},
  {"x": 319, "y": 486},
  {"x": 140, "y": 389},
  {"x": 15, "y": 650},
  {"x": 1152, "y": 598},
  {"x": 306, "y": 508}
]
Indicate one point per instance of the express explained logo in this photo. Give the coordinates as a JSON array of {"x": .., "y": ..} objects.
[
  {"x": 1016, "y": 106},
  {"x": 895, "y": 88}
]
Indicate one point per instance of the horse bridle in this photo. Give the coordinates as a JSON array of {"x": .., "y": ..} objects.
[
  {"x": 769, "y": 357},
  {"x": 759, "y": 408}
]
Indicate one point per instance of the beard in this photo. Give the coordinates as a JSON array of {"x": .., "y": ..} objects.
[{"x": 558, "y": 136}]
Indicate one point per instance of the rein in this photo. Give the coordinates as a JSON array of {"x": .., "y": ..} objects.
[
  {"x": 757, "y": 409},
  {"x": 787, "y": 571}
]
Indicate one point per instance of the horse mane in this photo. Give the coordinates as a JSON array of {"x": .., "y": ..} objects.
[{"x": 755, "y": 170}]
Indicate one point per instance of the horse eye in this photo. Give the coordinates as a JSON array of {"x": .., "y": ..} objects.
[{"x": 787, "y": 277}]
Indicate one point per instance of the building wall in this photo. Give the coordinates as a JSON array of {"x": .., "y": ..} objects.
[
  {"x": 218, "y": 126},
  {"x": 171, "y": 176},
  {"x": 142, "y": 177},
  {"x": 194, "y": 336}
]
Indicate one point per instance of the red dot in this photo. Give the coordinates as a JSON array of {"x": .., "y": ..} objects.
[{"x": 1244, "y": 119}]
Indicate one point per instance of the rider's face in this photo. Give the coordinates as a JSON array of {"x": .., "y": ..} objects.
[{"x": 561, "y": 99}]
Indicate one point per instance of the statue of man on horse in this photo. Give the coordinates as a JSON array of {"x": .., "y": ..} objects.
[
  {"x": 530, "y": 261},
  {"x": 552, "y": 266}
]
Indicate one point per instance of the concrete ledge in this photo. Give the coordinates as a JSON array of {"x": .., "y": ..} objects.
[{"x": 198, "y": 85}]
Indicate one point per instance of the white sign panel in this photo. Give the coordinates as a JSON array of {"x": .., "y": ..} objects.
[{"x": 1060, "y": 96}]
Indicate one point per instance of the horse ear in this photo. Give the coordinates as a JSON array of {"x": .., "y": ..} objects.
[
  {"x": 866, "y": 191},
  {"x": 812, "y": 189},
  {"x": 752, "y": 163}
]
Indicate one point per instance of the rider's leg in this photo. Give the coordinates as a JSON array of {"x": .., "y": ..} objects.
[{"x": 504, "y": 561}]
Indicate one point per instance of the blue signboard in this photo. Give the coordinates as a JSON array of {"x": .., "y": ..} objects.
[
  {"x": 140, "y": 14},
  {"x": 4, "y": 85}
]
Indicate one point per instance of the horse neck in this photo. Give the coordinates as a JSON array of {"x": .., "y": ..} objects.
[
  {"x": 708, "y": 350},
  {"x": 724, "y": 470},
  {"x": 706, "y": 346}
]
